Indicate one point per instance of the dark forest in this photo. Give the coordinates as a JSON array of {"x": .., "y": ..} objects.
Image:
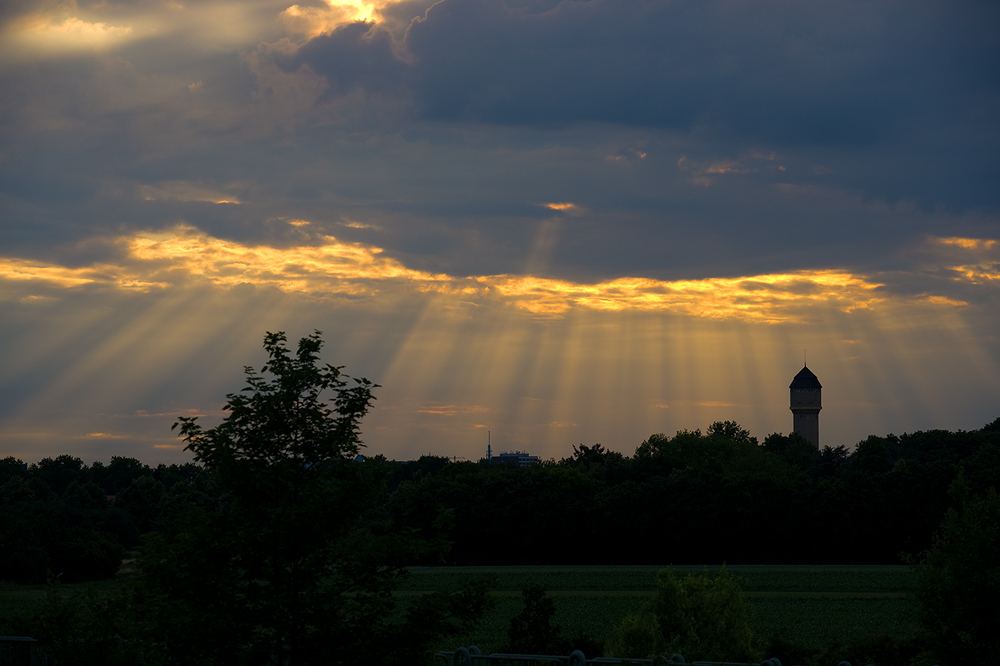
[{"x": 718, "y": 496}]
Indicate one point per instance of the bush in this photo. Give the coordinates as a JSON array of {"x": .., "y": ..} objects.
[
  {"x": 960, "y": 581},
  {"x": 698, "y": 616},
  {"x": 89, "y": 627},
  {"x": 532, "y": 631}
]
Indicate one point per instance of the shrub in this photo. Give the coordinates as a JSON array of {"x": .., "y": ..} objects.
[
  {"x": 960, "y": 580},
  {"x": 698, "y": 616},
  {"x": 532, "y": 630}
]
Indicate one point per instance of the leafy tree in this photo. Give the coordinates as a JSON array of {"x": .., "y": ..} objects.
[
  {"x": 65, "y": 536},
  {"x": 17, "y": 490},
  {"x": 287, "y": 569},
  {"x": 11, "y": 467},
  {"x": 830, "y": 460},
  {"x": 981, "y": 471},
  {"x": 415, "y": 469},
  {"x": 731, "y": 430},
  {"x": 698, "y": 616},
  {"x": 588, "y": 457},
  {"x": 60, "y": 472},
  {"x": 118, "y": 474},
  {"x": 171, "y": 475},
  {"x": 793, "y": 449},
  {"x": 872, "y": 456},
  {"x": 141, "y": 499},
  {"x": 85, "y": 495}
]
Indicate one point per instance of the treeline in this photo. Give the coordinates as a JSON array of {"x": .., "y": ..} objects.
[
  {"x": 717, "y": 496},
  {"x": 61, "y": 518},
  {"x": 712, "y": 497}
]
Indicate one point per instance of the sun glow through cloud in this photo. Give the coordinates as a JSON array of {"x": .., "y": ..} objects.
[{"x": 313, "y": 21}]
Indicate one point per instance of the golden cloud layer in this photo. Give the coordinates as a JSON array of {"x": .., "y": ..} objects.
[
  {"x": 768, "y": 298},
  {"x": 968, "y": 243},
  {"x": 183, "y": 255},
  {"x": 46, "y": 33},
  {"x": 980, "y": 264}
]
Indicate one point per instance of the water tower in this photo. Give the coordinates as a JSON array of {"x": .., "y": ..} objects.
[{"x": 806, "y": 399}]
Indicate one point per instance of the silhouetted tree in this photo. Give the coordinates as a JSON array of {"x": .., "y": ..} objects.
[
  {"x": 731, "y": 430},
  {"x": 589, "y": 457},
  {"x": 830, "y": 460},
  {"x": 118, "y": 474},
  {"x": 58, "y": 473},
  {"x": 285, "y": 569},
  {"x": 793, "y": 449},
  {"x": 141, "y": 499}
]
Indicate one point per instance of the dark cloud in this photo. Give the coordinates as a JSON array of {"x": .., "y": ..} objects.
[
  {"x": 913, "y": 84},
  {"x": 789, "y": 72},
  {"x": 354, "y": 56}
]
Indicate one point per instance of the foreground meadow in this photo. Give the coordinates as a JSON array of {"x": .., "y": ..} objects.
[{"x": 808, "y": 606}]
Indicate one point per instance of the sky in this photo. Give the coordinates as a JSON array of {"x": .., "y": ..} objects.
[{"x": 537, "y": 223}]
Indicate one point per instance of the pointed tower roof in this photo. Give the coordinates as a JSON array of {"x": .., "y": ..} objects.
[{"x": 805, "y": 379}]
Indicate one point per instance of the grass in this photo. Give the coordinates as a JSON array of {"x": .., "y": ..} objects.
[
  {"x": 808, "y": 606},
  {"x": 19, "y": 602}
]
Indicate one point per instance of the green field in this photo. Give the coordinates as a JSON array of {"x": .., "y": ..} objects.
[
  {"x": 19, "y": 602},
  {"x": 808, "y": 606}
]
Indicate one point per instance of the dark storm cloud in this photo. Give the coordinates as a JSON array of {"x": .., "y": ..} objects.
[
  {"x": 915, "y": 82},
  {"x": 788, "y": 72},
  {"x": 355, "y": 56}
]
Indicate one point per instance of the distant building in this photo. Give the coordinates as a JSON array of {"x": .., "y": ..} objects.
[
  {"x": 806, "y": 402},
  {"x": 514, "y": 458}
]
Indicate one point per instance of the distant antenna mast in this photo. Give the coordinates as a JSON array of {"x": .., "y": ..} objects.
[
  {"x": 804, "y": 358},
  {"x": 489, "y": 451}
]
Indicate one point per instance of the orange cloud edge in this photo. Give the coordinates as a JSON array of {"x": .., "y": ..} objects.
[{"x": 184, "y": 256}]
